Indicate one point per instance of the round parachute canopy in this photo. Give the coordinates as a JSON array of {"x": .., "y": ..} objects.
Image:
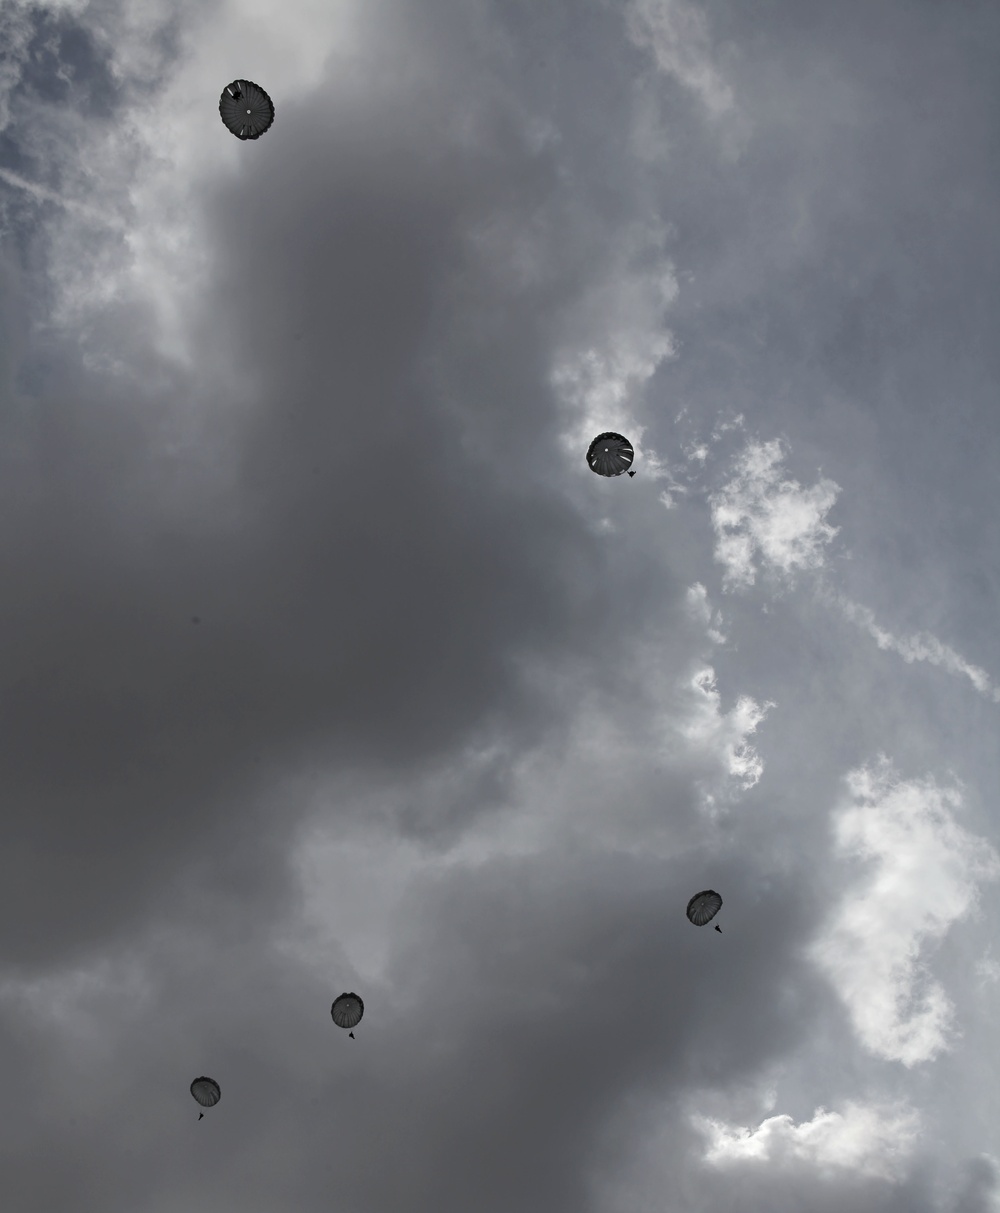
[
  {"x": 610, "y": 455},
  {"x": 703, "y": 907},
  {"x": 206, "y": 1091},
  {"x": 347, "y": 1010},
  {"x": 246, "y": 109}
]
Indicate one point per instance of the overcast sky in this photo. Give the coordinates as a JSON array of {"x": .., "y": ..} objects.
[{"x": 328, "y": 665}]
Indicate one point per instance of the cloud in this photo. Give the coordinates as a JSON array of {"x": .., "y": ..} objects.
[
  {"x": 457, "y": 718},
  {"x": 980, "y": 1193},
  {"x": 613, "y": 340},
  {"x": 920, "y": 647},
  {"x": 724, "y": 735},
  {"x": 874, "y": 1141},
  {"x": 677, "y": 34},
  {"x": 77, "y": 1002},
  {"x": 988, "y": 970},
  {"x": 41, "y": 194},
  {"x": 923, "y": 870},
  {"x": 16, "y": 31},
  {"x": 700, "y": 609},
  {"x": 761, "y": 516}
]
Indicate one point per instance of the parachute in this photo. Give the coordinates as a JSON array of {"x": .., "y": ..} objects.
[
  {"x": 610, "y": 455},
  {"x": 246, "y": 109},
  {"x": 347, "y": 1010},
  {"x": 703, "y": 907},
  {"x": 207, "y": 1092}
]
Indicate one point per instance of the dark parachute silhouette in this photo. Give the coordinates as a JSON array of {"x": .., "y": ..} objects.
[
  {"x": 610, "y": 455},
  {"x": 703, "y": 907},
  {"x": 246, "y": 109},
  {"x": 347, "y": 1010},
  {"x": 207, "y": 1092}
]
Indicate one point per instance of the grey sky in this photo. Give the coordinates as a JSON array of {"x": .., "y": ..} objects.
[{"x": 460, "y": 725}]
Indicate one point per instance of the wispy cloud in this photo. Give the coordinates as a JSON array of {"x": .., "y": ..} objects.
[
  {"x": 922, "y": 646},
  {"x": 700, "y": 609},
  {"x": 42, "y": 194},
  {"x": 16, "y": 30},
  {"x": 677, "y": 35}
]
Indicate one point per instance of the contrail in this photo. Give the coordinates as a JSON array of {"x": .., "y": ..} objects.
[{"x": 42, "y": 194}]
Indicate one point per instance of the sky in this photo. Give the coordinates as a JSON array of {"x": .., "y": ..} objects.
[{"x": 328, "y": 665}]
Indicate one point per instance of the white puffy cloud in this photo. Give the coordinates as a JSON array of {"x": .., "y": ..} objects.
[
  {"x": 762, "y": 516},
  {"x": 700, "y": 609},
  {"x": 723, "y": 735},
  {"x": 922, "y": 874},
  {"x": 873, "y": 1141}
]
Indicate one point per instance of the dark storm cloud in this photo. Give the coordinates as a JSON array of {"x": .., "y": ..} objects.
[
  {"x": 417, "y": 616},
  {"x": 525, "y": 1002},
  {"x": 373, "y": 577},
  {"x": 543, "y": 1029}
]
